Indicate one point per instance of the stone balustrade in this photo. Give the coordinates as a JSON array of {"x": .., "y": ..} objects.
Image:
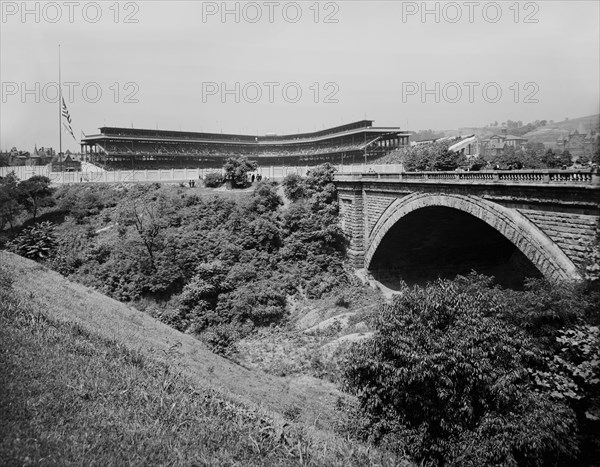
[{"x": 554, "y": 177}]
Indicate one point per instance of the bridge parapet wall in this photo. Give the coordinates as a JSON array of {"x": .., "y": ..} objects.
[{"x": 511, "y": 177}]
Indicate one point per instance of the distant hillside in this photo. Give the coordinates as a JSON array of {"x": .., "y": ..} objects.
[
  {"x": 591, "y": 122},
  {"x": 548, "y": 134}
]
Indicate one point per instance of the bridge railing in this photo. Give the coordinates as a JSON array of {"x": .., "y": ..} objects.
[{"x": 555, "y": 177}]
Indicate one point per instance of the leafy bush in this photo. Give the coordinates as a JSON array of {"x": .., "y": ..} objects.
[
  {"x": 213, "y": 180},
  {"x": 342, "y": 301},
  {"x": 592, "y": 268},
  {"x": 265, "y": 197},
  {"x": 221, "y": 338},
  {"x": 452, "y": 378},
  {"x": 261, "y": 303},
  {"x": 36, "y": 242},
  {"x": 573, "y": 375},
  {"x": 293, "y": 187},
  {"x": 79, "y": 203}
]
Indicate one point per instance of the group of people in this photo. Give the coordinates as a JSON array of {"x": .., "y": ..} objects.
[{"x": 257, "y": 177}]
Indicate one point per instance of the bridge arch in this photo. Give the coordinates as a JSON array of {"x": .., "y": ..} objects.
[{"x": 543, "y": 253}]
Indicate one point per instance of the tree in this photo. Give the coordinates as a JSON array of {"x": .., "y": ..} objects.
[
  {"x": 584, "y": 159},
  {"x": 237, "y": 168},
  {"x": 293, "y": 187},
  {"x": 320, "y": 187},
  {"x": 422, "y": 157},
  {"x": 150, "y": 215},
  {"x": 508, "y": 158},
  {"x": 265, "y": 197},
  {"x": 549, "y": 159},
  {"x": 476, "y": 163},
  {"x": 10, "y": 208},
  {"x": 447, "y": 160},
  {"x": 35, "y": 193},
  {"x": 530, "y": 157},
  {"x": 564, "y": 159}
]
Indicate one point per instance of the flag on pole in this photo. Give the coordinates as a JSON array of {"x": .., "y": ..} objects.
[{"x": 67, "y": 117}]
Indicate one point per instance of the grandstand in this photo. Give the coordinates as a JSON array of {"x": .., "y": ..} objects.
[{"x": 129, "y": 148}]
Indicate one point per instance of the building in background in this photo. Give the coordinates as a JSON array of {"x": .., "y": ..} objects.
[
  {"x": 498, "y": 144},
  {"x": 578, "y": 144}
]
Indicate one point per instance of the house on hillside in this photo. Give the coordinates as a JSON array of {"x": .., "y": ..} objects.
[
  {"x": 497, "y": 144},
  {"x": 42, "y": 156},
  {"x": 578, "y": 143}
]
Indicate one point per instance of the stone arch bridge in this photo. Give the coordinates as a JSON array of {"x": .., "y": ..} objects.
[{"x": 538, "y": 222}]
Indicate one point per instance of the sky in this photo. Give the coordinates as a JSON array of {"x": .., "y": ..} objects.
[{"x": 283, "y": 67}]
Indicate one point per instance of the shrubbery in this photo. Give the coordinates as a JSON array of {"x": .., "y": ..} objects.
[
  {"x": 37, "y": 242},
  {"x": 293, "y": 187},
  {"x": 212, "y": 266},
  {"x": 213, "y": 180},
  {"x": 455, "y": 378},
  {"x": 80, "y": 203}
]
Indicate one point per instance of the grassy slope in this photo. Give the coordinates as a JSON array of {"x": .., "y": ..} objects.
[
  {"x": 86, "y": 379},
  {"x": 68, "y": 301}
]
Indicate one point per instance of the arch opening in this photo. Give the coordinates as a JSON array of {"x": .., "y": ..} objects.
[{"x": 438, "y": 241}]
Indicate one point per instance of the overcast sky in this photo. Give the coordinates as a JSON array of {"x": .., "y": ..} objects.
[{"x": 293, "y": 66}]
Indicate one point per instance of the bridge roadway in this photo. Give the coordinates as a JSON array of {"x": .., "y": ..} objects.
[{"x": 552, "y": 217}]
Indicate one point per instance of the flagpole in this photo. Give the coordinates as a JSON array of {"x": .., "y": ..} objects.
[{"x": 59, "y": 112}]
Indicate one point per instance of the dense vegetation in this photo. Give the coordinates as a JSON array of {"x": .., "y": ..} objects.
[
  {"x": 213, "y": 266},
  {"x": 464, "y": 373}
]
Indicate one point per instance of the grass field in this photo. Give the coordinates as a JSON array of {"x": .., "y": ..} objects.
[{"x": 87, "y": 380}]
